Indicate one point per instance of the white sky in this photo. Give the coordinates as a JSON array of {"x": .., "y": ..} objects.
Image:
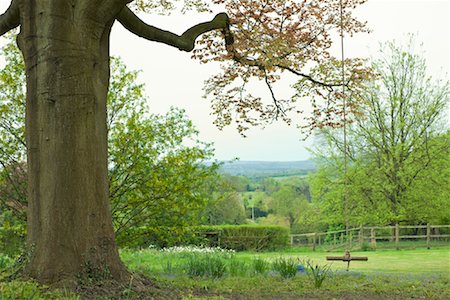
[{"x": 173, "y": 79}]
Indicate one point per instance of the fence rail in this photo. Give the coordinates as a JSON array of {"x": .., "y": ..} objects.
[{"x": 373, "y": 234}]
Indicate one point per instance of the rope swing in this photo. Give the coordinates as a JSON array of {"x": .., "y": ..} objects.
[
  {"x": 347, "y": 256},
  {"x": 344, "y": 111}
]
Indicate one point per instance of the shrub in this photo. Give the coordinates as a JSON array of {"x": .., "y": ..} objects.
[
  {"x": 5, "y": 262},
  {"x": 12, "y": 234},
  {"x": 245, "y": 237}
]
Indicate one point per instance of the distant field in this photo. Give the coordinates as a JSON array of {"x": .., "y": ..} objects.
[{"x": 268, "y": 168}]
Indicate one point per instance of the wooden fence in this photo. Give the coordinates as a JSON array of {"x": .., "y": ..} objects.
[{"x": 428, "y": 234}]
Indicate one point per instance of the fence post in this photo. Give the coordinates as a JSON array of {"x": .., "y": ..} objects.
[
  {"x": 361, "y": 235},
  {"x": 397, "y": 236},
  {"x": 373, "y": 240},
  {"x": 334, "y": 239},
  {"x": 428, "y": 235},
  {"x": 292, "y": 240},
  {"x": 314, "y": 241}
]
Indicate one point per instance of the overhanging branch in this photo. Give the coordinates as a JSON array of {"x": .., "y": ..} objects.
[
  {"x": 229, "y": 45},
  {"x": 184, "y": 42},
  {"x": 10, "y": 19}
]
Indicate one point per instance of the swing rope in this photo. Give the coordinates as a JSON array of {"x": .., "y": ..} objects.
[
  {"x": 347, "y": 256},
  {"x": 344, "y": 108}
]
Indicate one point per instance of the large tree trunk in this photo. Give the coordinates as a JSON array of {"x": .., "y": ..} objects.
[{"x": 65, "y": 47}]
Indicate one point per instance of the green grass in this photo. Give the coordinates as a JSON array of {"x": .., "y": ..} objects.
[
  {"x": 410, "y": 261},
  {"x": 415, "y": 262},
  {"x": 388, "y": 274}
]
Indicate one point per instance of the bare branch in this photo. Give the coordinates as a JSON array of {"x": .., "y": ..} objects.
[
  {"x": 10, "y": 19},
  {"x": 184, "y": 42}
]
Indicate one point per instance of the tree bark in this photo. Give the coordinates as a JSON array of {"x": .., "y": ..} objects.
[{"x": 70, "y": 233}]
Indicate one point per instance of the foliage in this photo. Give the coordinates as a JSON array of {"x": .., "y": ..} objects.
[
  {"x": 225, "y": 208},
  {"x": 318, "y": 273},
  {"x": 156, "y": 180},
  {"x": 12, "y": 142},
  {"x": 31, "y": 290},
  {"x": 12, "y": 234},
  {"x": 289, "y": 203},
  {"x": 248, "y": 237},
  {"x": 398, "y": 150},
  {"x": 205, "y": 265},
  {"x": 267, "y": 38},
  {"x": 260, "y": 266},
  {"x": 287, "y": 267},
  {"x": 157, "y": 166}
]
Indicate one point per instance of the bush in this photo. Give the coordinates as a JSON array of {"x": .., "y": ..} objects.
[
  {"x": 245, "y": 237},
  {"x": 5, "y": 262},
  {"x": 12, "y": 235}
]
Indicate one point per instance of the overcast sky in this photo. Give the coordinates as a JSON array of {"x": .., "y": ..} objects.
[{"x": 173, "y": 79}]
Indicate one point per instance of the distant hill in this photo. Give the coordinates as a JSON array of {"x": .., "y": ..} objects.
[{"x": 268, "y": 168}]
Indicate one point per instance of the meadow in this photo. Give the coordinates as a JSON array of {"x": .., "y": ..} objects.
[{"x": 297, "y": 273}]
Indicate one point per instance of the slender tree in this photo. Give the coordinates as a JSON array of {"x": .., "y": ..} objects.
[
  {"x": 398, "y": 143},
  {"x": 65, "y": 45}
]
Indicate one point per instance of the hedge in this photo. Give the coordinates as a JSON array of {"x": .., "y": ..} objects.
[
  {"x": 244, "y": 237},
  {"x": 159, "y": 236},
  {"x": 236, "y": 237}
]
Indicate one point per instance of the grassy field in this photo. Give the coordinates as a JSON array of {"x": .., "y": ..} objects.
[
  {"x": 388, "y": 274},
  {"x": 189, "y": 274},
  {"x": 409, "y": 261}
]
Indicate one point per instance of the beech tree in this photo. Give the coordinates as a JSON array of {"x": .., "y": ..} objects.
[{"x": 65, "y": 45}]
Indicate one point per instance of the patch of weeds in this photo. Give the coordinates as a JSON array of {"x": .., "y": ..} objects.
[
  {"x": 30, "y": 290},
  {"x": 287, "y": 267},
  {"x": 260, "y": 266},
  {"x": 93, "y": 273},
  {"x": 19, "y": 290},
  {"x": 205, "y": 265},
  {"x": 6, "y": 262},
  {"x": 317, "y": 272},
  {"x": 168, "y": 266},
  {"x": 365, "y": 246},
  {"x": 237, "y": 268}
]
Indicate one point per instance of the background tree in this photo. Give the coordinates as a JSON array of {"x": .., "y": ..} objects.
[
  {"x": 289, "y": 203},
  {"x": 225, "y": 208},
  {"x": 65, "y": 46},
  {"x": 156, "y": 181},
  {"x": 397, "y": 142},
  {"x": 12, "y": 142}
]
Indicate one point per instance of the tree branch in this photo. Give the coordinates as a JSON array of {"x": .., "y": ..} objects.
[
  {"x": 184, "y": 42},
  {"x": 10, "y": 19}
]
